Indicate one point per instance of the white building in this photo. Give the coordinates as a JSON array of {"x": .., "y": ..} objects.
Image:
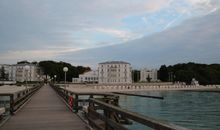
[
  {"x": 12, "y": 73},
  {"x": 88, "y": 77},
  {"x": 114, "y": 72},
  {"x": 194, "y": 82},
  {"x": 151, "y": 73},
  {"x": 31, "y": 73},
  {"x": 18, "y": 73}
]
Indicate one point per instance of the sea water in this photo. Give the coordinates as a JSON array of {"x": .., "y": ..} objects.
[{"x": 193, "y": 110}]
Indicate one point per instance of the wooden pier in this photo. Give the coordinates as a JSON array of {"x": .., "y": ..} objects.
[
  {"x": 44, "y": 111},
  {"x": 104, "y": 112}
]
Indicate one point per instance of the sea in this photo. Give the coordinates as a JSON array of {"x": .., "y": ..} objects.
[{"x": 192, "y": 110}]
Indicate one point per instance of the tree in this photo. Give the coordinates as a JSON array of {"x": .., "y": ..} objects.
[
  {"x": 3, "y": 75},
  {"x": 52, "y": 68},
  {"x": 23, "y": 62},
  {"x": 163, "y": 73},
  {"x": 136, "y": 75},
  {"x": 148, "y": 78},
  {"x": 205, "y": 74}
]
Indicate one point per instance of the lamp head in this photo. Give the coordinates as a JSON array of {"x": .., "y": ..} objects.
[{"x": 65, "y": 69}]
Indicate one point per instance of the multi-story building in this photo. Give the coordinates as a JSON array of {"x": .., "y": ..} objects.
[
  {"x": 146, "y": 73},
  {"x": 87, "y": 77},
  {"x": 27, "y": 72},
  {"x": 12, "y": 73},
  {"x": 114, "y": 72}
]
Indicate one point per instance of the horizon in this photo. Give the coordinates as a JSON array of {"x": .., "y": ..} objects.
[{"x": 95, "y": 67}]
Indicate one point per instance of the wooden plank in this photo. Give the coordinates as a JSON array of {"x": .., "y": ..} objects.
[{"x": 45, "y": 111}]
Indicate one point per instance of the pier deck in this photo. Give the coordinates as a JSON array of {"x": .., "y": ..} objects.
[{"x": 45, "y": 111}]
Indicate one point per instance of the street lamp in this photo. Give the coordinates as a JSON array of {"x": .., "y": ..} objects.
[
  {"x": 26, "y": 68},
  {"x": 65, "y": 69},
  {"x": 55, "y": 76},
  {"x": 38, "y": 78}
]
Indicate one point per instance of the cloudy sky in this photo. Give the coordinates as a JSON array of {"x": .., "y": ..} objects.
[{"x": 82, "y": 32}]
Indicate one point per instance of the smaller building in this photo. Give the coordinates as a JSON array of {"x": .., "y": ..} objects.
[
  {"x": 88, "y": 77},
  {"x": 194, "y": 82},
  {"x": 148, "y": 75}
]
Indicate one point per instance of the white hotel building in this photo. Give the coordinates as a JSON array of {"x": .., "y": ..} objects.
[{"x": 114, "y": 72}]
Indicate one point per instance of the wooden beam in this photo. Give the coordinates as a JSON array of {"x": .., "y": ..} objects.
[{"x": 138, "y": 95}]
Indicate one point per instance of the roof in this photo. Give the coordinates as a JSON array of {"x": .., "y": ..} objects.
[
  {"x": 25, "y": 64},
  {"x": 114, "y": 62}
]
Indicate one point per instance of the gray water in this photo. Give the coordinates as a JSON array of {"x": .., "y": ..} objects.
[
  {"x": 5, "y": 102},
  {"x": 193, "y": 110}
]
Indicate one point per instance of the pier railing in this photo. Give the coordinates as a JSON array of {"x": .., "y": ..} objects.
[
  {"x": 105, "y": 114},
  {"x": 108, "y": 121},
  {"x": 16, "y": 100},
  {"x": 75, "y": 100}
]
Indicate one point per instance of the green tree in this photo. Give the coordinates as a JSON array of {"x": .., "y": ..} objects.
[
  {"x": 136, "y": 75},
  {"x": 205, "y": 74},
  {"x": 52, "y": 68},
  {"x": 3, "y": 75},
  {"x": 23, "y": 62},
  {"x": 163, "y": 73}
]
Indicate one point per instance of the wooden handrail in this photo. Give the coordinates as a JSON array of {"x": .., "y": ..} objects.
[
  {"x": 24, "y": 96},
  {"x": 145, "y": 120}
]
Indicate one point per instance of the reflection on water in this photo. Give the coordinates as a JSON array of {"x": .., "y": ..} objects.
[{"x": 194, "y": 110}]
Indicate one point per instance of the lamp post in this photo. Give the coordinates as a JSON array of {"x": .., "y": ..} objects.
[
  {"x": 55, "y": 76},
  {"x": 38, "y": 78},
  {"x": 26, "y": 68},
  {"x": 65, "y": 69}
]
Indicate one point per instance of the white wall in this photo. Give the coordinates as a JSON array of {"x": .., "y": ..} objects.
[{"x": 114, "y": 72}]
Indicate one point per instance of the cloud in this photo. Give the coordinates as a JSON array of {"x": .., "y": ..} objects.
[
  {"x": 34, "y": 54},
  {"x": 37, "y": 25},
  {"x": 195, "y": 40},
  {"x": 122, "y": 34}
]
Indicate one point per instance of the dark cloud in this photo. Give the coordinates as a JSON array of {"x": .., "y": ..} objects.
[{"x": 195, "y": 40}]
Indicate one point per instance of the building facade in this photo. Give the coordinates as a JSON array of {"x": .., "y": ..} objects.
[
  {"x": 88, "y": 77},
  {"x": 31, "y": 73},
  {"x": 18, "y": 72},
  {"x": 114, "y": 72},
  {"x": 146, "y": 73}
]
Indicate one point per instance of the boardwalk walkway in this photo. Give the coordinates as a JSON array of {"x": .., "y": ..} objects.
[{"x": 45, "y": 111}]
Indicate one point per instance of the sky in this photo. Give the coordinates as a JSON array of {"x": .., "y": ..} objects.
[{"x": 82, "y": 32}]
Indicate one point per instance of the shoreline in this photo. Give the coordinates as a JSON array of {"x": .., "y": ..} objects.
[{"x": 137, "y": 88}]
